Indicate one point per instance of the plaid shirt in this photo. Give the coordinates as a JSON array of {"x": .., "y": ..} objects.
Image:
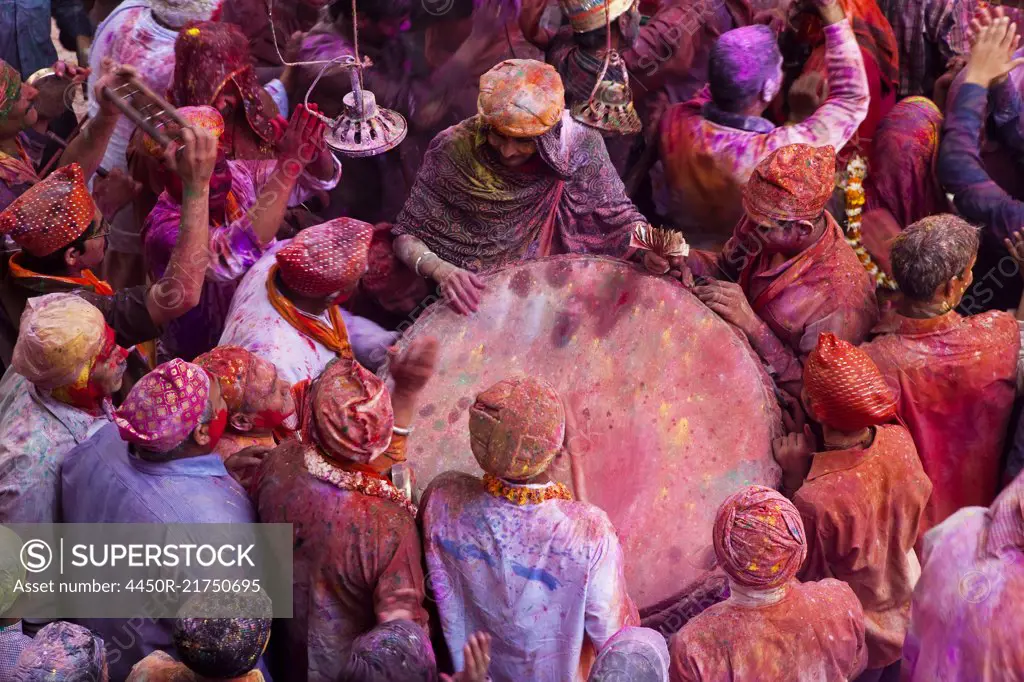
[
  {"x": 930, "y": 33},
  {"x": 12, "y": 641}
]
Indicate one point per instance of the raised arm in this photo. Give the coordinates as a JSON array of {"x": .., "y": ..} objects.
[
  {"x": 179, "y": 289},
  {"x": 89, "y": 146},
  {"x": 978, "y": 198}
]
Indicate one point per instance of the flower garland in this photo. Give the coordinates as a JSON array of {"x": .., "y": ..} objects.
[
  {"x": 355, "y": 480},
  {"x": 856, "y": 171},
  {"x": 522, "y": 495}
]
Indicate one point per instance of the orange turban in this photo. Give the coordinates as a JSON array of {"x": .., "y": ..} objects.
[
  {"x": 231, "y": 367},
  {"x": 58, "y": 340},
  {"x": 207, "y": 118},
  {"x": 521, "y": 98},
  {"x": 348, "y": 413},
  {"x": 516, "y": 427},
  {"x": 791, "y": 183},
  {"x": 326, "y": 258},
  {"x": 846, "y": 389},
  {"x": 759, "y": 538},
  {"x": 52, "y": 214}
]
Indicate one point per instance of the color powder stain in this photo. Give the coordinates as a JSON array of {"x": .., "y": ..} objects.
[
  {"x": 439, "y": 425},
  {"x": 521, "y": 284},
  {"x": 558, "y": 273},
  {"x": 538, "y": 574},
  {"x": 566, "y": 324},
  {"x": 681, "y": 432},
  {"x": 428, "y": 410},
  {"x": 464, "y": 403},
  {"x": 666, "y": 337},
  {"x": 453, "y": 416},
  {"x": 663, "y": 410}
]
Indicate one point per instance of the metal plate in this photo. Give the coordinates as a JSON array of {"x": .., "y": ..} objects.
[{"x": 674, "y": 408}]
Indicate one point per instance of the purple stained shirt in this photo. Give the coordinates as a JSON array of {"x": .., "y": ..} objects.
[{"x": 12, "y": 642}]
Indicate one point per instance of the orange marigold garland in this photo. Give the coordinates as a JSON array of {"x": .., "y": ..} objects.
[
  {"x": 522, "y": 495},
  {"x": 856, "y": 171},
  {"x": 357, "y": 481}
]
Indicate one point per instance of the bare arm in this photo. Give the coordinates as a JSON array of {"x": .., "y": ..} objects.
[
  {"x": 88, "y": 147},
  {"x": 178, "y": 291}
]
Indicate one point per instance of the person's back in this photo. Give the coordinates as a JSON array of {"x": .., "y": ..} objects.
[{"x": 538, "y": 577}]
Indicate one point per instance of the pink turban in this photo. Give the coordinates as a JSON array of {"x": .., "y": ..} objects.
[
  {"x": 326, "y": 258},
  {"x": 59, "y": 339},
  {"x": 165, "y": 406},
  {"x": 521, "y": 98},
  {"x": 759, "y": 538},
  {"x": 847, "y": 390},
  {"x": 348, "y": 413},
  {"x": 516, "y": 427}
]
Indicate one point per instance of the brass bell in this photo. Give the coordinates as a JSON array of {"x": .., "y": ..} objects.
[
  {"x": 363, "y": 128},
  {"x": 610, "y": 107}
]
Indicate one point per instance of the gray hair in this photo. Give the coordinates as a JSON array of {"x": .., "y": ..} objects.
[{"x": 931, "y": 252}]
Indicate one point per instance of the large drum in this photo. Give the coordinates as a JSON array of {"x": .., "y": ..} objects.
[{"x": 674, "y": 410}]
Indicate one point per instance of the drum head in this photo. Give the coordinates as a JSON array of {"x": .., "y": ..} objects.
[{"x": 674, "y": 410}]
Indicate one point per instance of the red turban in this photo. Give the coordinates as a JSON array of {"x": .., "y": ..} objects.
[
  {"x": 326, "y": 258},
  {"x": 516, "y": 427},
  {"x": 165, "y": 406},
  {"x": 847, "y": 391},
  {"x": 759, "y": 538},
  {"x": 51, "y": 214},
  {"x": 792, "y": 183},
  {"x": 348, "y": 413},
  {"x": 231, "y": 367}
]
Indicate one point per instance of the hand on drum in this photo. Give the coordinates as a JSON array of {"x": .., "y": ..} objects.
[
  {"x": 729, "y": 302},
  {"x": 413, "y": 369},
  {"x": 675, "y": 268},
  {"x": 793, "y": 453},
  {"x": 462, "y": 288}
]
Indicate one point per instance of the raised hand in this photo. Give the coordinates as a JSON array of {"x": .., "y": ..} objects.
[
  {"x": 303, "y": 140},
  {"x": 193, "y": 158},
  {"x": 992, "y": 54},
  {"x": 112, "y": 75}
]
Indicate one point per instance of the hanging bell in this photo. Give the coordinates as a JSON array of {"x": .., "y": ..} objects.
[
  {"x": 363, "y": 128},
  {"x": 610, "y": 107}
]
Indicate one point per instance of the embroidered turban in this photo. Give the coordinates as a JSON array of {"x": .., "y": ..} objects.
[
  {"x": 52, "y": 214},
  {"x": 326, "y": 258},
  {"x": 590, "y": 15},
  {"x": 207, "y": 118},
  {"x": 222, "y": 648},
  {"x": 177, "y": 13},
  {"x": 847, "y": 390},
  {"x": 516, "y": 427},
  {"x": 10, "y": 88},
  {"x": 521, "y": 98},
  {"x": 792, "y": 183},
  {"x": 61, "y": 652},
  {"x": 231, "y": 366},
  {"x": 348, "y": 413},
  {"x": 396, "y": 650},
  {"x": 634, "y": 654},
  {"x": 209, "y": 56},
  {"x": 759, "y": 538},
  {"x": 59, "y": 338},
  {"x": 165, "y": 406}
]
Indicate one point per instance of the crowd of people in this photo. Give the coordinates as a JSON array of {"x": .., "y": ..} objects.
[{"x": 193, "y": 318}]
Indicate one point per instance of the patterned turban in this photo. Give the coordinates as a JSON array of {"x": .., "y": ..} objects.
[
  {"x": 634, "y": 654},
  {"x": 207, "y": 118},
  {"x": 326, "y": 258},
  {"x": 231, "y": 366},
  {"x": 847, "y": 390},
  {"x": 59, "y": 339},
  {"x": 792, "y": 183},
  {"x": 177, "y": 13},
  {"x": 62, "y": 652},
  {"x": 516, "y": 427},
  {"x": 759, "y": 538},
  {"x": 348, "y": 413},
  {"x": 396, "y": 650},
  {"x": 590, "y": 15},
  {"x": 10, "y": 88},
  {"x": 52, "y": 214},
  {"x": 209, "y": 55},
  {"x": 165, "y": 406},
  {"x": 222, "y": 648},
  {"x": 521, "y": 98}
]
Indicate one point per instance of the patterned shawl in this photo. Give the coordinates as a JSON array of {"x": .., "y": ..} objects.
[{"x": 476, "y": 213}]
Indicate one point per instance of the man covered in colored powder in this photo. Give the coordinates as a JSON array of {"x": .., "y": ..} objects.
[
  {"x": 66, "y": 366},
  {"x": 787, "y": 274},
  {"x": 287, "y": 309},
  {"x": 154, "y": 465},
  {"x": 773, "y": 628},
  {"x": 957, "y": 376},
  {"x": 513, "y": 554},
  {"x": 862, "y": 498},
  {"x": 521, "y": 179},
  {"x": 358, "y": 559},
  {"x": 964, "y": 621},
  {"x": 712, "y": 144},
  {"x": 258, "y": 399}
]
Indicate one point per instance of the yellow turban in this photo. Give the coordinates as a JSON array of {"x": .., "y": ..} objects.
[
  {"x": 60, "y": 336},
  {"x": 521, "y": 98}
]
